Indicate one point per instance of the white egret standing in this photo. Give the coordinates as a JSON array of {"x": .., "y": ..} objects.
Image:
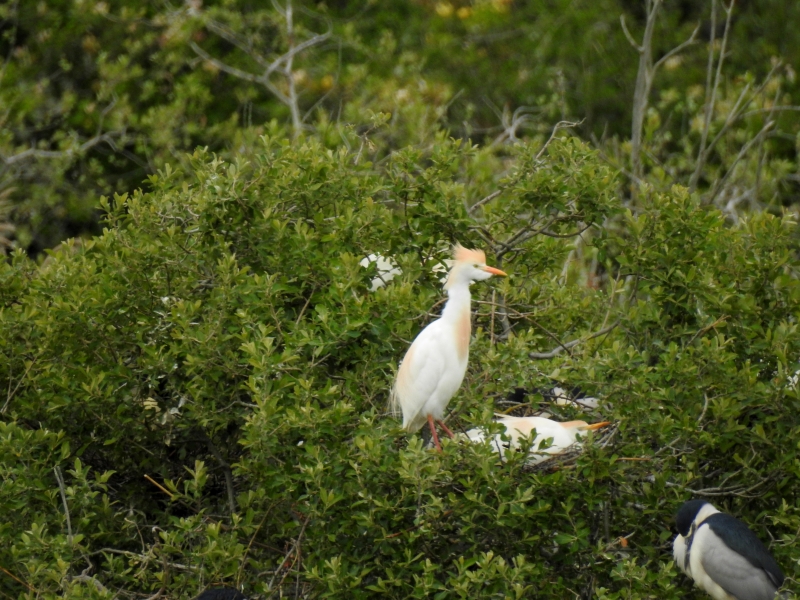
[
  {"x": 723, "y": 556},
  {"x": 561, "y": 436},
  {"x": 434, "y": 366}
]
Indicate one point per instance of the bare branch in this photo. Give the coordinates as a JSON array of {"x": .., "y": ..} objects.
[
  {"x": 290, "y": 552},
  {"x": 642, "y": 90},
  {"x": 37, "y": 153},
  {"x": 223, "y": 67},
  {"x": 60, "y": 480},
  {"x": 283, "y": 64},
  {"x": 565, "y": 235},
  {"x": 709, "y": 74},
  {"x": 480, "y": 203},
  {"x": 644, "y": 81},
  {"x": 11, "y": 393},
  {"x": 567, "y": 345},
  {"x": 85, "y": 578},
  {"x": 691, "y": 40},
  {"x": 559, "y": 125},
  {"x": 628, "y": 35},
  {"x": 226, "y": 34},
  {"x": 703, "y": 413},
  {"x": 511, "y": 123},
  {"x": 522, "y": 235},
  {"x": 757, "y": 111},
  {"x": 702, "y": 154},
  {"x": 745, "y": 149},
  {"x": 317, "y": 39},
  {"x": 226, "y": 470},
  {"x": 736, "y": 112}
]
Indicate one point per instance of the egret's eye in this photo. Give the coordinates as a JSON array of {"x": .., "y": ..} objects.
[{"x": 476, "y": 266}]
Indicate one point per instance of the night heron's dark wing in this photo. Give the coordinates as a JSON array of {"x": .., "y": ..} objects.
[{"x": 736, "y": 559}]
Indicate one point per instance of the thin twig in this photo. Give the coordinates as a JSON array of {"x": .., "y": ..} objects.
[
  {"x": 567, "y": 345},
  {"x": 491, "y": 324},
  {"x": 644, "y": 80},
  {"x": 84, "y": 578},
  {"x": 709, "y": 109},
  {"x": 703, "y": 413},
  {"x": 305, "y": 306},
  {"x": 226, "y": 471},
  {"x": 703, "y": 330},
  {"x": 643, "y": 83},
  {"x": 17, "y": 579},
  {"x": 60, "y": 480},
  {"x": 290, "y": 552},
  {"x": 559, "y": 125},
  {"x": 159, "y": 486},
  {"x": 709, "y": 105},
  {"x": 718, "y": 187},
  {"x": 11, "y": 393},
  {"x": 480, "y": 203},
  {"x": 737, "y": 113},
  {"x": 678, "y": 48},
  {"x": 283, "y": 64},
  {"x": 37, "y": 153}
]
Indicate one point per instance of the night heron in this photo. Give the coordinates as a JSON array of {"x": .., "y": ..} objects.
[{"x": 723, "y": 556}]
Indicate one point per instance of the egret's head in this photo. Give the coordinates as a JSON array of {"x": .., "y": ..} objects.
[
  {"x": 470, "y": 265},
  {"x": 576, "y": 428},
  {"x": 692, "y": 511}
]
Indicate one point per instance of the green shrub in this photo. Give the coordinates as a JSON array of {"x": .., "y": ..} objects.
[{"x": 210, "y": 377}]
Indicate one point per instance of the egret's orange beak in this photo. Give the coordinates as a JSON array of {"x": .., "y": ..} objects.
[
  {"x": 494, "y": 271},
  {"x": 599, "y": 425}
]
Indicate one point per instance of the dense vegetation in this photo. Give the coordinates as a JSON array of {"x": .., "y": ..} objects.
[{"x": 197, "y": 394}]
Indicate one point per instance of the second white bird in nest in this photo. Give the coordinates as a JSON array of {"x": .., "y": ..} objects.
[
  {"x": 556, "y": 437},
  {"x": 435, "y": 364}
]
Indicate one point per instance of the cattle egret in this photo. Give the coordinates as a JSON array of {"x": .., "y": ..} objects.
[
  {"x": 559, "y": 436},
  {"x": 222, "y": 593},
  {"x": 722, "y": 555},
  {"x": 576, "y": 398},
  {"x": 557, "y": 396},
  {"x": 387, "y": 270},
  {"x": 434, "y": 365}
]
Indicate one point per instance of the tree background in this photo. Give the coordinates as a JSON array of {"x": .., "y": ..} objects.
[{"x": 195, "y": 385}]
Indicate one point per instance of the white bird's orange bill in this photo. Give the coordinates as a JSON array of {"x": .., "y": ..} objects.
[{"x": 599, "y": 425}]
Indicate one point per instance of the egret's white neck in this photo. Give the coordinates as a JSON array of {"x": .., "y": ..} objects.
[{"x": 458, "y": 300}]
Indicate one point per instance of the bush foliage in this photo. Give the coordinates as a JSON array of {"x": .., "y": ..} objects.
[
  {"x": 101, "y": 94},
  {"x": 198, "y": 395}
]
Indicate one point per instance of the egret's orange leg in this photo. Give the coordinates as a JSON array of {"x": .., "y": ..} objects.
[
  {"x": 446, "y": 429},
  {"x": 433, "y": 432}
]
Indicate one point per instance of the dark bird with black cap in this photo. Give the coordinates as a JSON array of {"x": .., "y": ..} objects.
[{"x": 722, "y": 555}]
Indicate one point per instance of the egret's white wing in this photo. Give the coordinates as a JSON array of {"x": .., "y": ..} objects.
[{"x": 419, "y": 375}]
